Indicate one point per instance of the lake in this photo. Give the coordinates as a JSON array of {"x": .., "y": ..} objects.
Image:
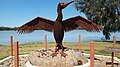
[{"x": 38, "y": 36}]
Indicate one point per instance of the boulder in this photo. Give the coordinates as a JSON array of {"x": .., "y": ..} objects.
[{"x": 43, "y": 58}]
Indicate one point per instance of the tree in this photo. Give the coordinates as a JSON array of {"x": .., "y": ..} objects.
[{"x": 105, "y": 13}]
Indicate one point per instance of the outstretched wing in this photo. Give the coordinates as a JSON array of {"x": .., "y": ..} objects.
[
  {"x": 78, "y": 21},
  {"x": 36, "y": 24}
]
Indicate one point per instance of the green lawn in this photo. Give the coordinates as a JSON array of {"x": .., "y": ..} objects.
[{"x": 85, "y": 47}]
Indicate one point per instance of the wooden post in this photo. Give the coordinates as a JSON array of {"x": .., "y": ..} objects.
[
  {"x": 79, "y": 48},
  {"x": 16, "y": 54},
  {"x": 114, "y": 43},
  {"x": 112, "y": 59},
  {"x": 91, "y": 54},
  {"x": 45, "y": 42},
  {"x": 11, "y": 45}
]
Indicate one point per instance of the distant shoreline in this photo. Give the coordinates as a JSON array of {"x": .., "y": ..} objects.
[
  {"x": 2, "y": 28},
  {"x": 64, "y": 42}
]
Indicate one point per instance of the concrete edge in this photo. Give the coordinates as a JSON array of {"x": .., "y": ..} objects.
[
  {"x": 9, "y": 57},
  {"x": 117, "y": 59},
  {"x": 5, "y": 59},
  {"x": 97, "y": 55}
]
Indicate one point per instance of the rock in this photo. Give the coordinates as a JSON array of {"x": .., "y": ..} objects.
[
  {"x": 43, "y": 58},
  {"x": 22, "y": 61}
]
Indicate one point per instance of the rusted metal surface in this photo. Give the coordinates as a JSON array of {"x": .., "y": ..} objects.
[
  {"x": 59, "y": 26},
  {"x": 92, "y": 54},
  {"x": 11, "y": 45},
  {"x": 112, "y": 59},
  {"x": 45, "y": 42},
  {"x": 79, "y": 47},
  {"x": 16, "y": 54},
  {"x": 112, "y": 49},
  {"x": 114, "y": 43}
]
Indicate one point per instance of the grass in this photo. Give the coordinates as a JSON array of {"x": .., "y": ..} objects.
[
  {"x": 85, "y": 47},
  {"x": 4, "y": 51}
]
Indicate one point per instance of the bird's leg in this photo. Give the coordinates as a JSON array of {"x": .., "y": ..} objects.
[
  {"x": 63, "y": 48},
  {"x": 56, "y": 50},
  {"x": 62, "y": 52},
  {"x": 59, "y": 46}
]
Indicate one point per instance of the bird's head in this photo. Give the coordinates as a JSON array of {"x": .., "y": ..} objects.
[{"x": 64, "y": 4}]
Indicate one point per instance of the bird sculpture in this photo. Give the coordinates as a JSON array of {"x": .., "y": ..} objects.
[{"x": 59, "y": 26}]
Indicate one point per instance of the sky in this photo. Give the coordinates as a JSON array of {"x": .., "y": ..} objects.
[{"x": 14, "y": 13}]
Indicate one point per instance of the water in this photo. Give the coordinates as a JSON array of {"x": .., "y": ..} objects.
[{"x": 38, "y": 36}]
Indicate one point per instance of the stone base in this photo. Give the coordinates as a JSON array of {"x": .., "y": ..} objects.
[{"x": 43, "y": 58}]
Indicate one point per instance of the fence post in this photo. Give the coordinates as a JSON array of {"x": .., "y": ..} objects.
[
  {"x": 114, "y": 44},
  {"x": 45, "y": 42},
  {"x": 11, "y": 45},
  {"x": 91, "y": 54},
  {"x": 79, "y": 47},
  {"x": 112, "y": 59},
  {"x": 16, "y": 54}
]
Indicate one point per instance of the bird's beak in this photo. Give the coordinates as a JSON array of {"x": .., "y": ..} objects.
[{"x": 67, "y": 3}]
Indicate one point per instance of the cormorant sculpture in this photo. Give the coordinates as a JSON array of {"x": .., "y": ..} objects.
[{"x": 59, "y": 26}]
